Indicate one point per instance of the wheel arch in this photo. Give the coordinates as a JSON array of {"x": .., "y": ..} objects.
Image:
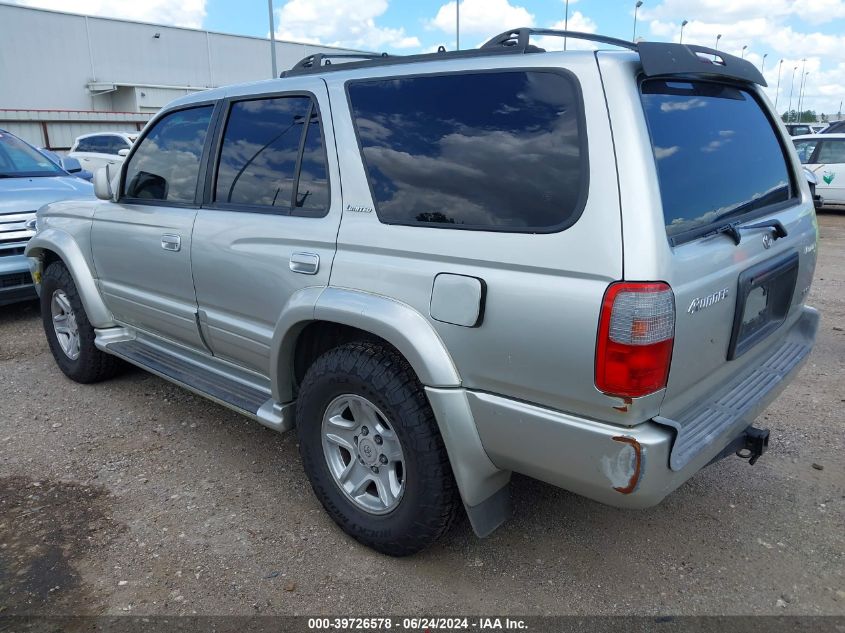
[
  {"x": 341, "y": 312},
  {"x": 51, "y": 245}
]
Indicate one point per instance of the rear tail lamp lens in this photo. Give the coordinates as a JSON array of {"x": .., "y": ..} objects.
[{"x": 635, "y": 339}]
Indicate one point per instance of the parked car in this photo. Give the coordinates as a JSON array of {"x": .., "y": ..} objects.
[
  {"x": 70, "y": 165},
  {"x": 837, "y": 127},
  {"x": 28, "y": 180},
  {"x": 797, "y": 129},
  {"x": 824, "y": 155},
  {"x": 101, "y": 149},
  {"x": 586, "y": 267}
]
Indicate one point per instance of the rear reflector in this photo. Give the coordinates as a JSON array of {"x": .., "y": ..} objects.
[{"x": 635, "y": 338}]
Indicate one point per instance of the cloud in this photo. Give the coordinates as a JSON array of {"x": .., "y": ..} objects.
[
  {"x": 482, "y": 17},
  {"x": 187, "y": 13},
  {"x": 341, "y": 23},
  {"x": 665, "y": 152},
  {"x": 577, "y": 22}
]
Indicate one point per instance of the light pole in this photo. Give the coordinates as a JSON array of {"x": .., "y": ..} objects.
[
  {"x": 801, "y": 94},
  {"x": 457, "y": 25},
  {"x": 777, "y": 93},
  {"x": 683, "y": 24},
  {"x": 763, "y": 63},
  {"x": 744, "y": 48},
  {"x": 718, "y": 37},
  {"x": 272, "y": 39},
  {"x": 565, "y": 21},
  {"x": 791, "y": 89},
  {"x": 636, "y": 8}
]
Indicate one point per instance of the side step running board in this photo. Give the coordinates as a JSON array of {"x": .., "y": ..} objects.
[{"x": 181, "y": 369}]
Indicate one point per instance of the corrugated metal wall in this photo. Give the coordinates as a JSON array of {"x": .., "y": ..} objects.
[{"x": 58, "y": 129}]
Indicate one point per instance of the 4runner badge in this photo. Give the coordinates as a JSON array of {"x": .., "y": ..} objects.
[{"x": 699, "y": 303}]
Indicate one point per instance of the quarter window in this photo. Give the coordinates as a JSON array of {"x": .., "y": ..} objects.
[
  {"x": 272, "y": 156},
  {"x": 167, "y": 162},
  {"x": 489, "y": 150},
  {"x": 831, "y": 152}
]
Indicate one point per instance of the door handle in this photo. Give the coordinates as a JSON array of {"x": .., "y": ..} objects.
[
  {"x": 305, "y": 263},
  {"x": 171, "y": 242}
]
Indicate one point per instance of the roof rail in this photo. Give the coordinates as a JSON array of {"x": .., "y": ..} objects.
[
  {"x": 657, "y": 58},
  {"x": 320, "y": 60},
  {"x": 517, "y": 39}
]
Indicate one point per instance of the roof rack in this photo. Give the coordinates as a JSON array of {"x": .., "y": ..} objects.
[
  {"x": 518, "y": 39},
  {"x": 320, "y": 60},
  {"x": 657, "y": 58}
]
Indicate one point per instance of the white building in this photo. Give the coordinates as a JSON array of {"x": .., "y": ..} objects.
[{"x": 62, "y": 75}]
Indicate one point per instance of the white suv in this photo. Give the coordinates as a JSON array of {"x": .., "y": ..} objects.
[{"x": 103, "y": 148}]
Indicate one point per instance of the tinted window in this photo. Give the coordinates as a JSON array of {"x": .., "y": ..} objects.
[
  {"x": 258, "y": 158},
  {"x": 831, "y": 152},
  {"x": 113, "y": 144},
  {"x": 313, "y": 190},
  {"x": 166, "y": 164},
  {"x": 805, "y": 149},
  {"x": 86, "y": 145},
  {"x": 489, "y": 150},
  {"x": 716, "y": 151}
]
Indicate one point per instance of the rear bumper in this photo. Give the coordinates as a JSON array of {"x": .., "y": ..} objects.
[
  {"x": 629, "y": 467},
  {"x": 15, "y": 280}
]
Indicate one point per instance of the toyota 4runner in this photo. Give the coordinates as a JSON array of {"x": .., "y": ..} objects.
[{"x": 588, "y": 267}]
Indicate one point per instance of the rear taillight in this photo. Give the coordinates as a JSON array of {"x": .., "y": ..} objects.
[{"x": 636, "y": 334}]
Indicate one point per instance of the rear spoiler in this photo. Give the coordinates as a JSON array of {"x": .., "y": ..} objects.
[{"x": 658, "y": 58}]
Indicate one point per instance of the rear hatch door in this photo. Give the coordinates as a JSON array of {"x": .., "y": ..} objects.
[{"x": 741, "y": 230}]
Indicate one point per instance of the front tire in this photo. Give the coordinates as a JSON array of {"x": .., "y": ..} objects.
[
  {"x": 69, "y": 333},
  {"x": 372, "y": 450}
]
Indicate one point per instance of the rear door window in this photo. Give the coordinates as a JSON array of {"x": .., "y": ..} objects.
[
  {"x": 501, "y": 150},
  {"x": 272, "y": 157},
  {"x": 717, "y": 153}
]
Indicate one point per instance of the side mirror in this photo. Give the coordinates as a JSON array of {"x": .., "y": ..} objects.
[
  {"x": 102, "y": 184},
  {"x": 71, "y": 165},
  {"x": 812, "y": 180},
  {"x": 123, "y": 152}
]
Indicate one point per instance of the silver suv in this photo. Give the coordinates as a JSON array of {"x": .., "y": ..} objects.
[{"x": 588, "y": 267}]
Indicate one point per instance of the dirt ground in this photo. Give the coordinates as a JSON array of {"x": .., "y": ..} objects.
[{"x": 136, "y": 497}]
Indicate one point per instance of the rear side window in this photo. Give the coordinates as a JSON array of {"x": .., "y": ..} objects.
[
  {"x": 717, "y": 154},
  {"x": 489, "y": 150},
  {"x": 272, "y": 156},
  {"x": 166, "y": 164},
  {"x": 831, "y": 152}
]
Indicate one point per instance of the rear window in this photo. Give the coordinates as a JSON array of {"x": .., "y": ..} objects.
[
  {"x": 718, "y": 156},
  {"x": 498, "y": 150}
]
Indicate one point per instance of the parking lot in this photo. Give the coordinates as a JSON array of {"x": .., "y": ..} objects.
[{"x": 135, "y": 496}]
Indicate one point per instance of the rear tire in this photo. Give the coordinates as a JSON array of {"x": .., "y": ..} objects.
[
  {"x": 69, "y": 333},
  {"x": 358, "y": 404}
]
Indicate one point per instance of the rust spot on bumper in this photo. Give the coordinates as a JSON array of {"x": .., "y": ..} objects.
[{"x": 638, "y": 459}]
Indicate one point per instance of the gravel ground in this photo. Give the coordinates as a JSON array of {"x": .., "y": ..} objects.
[{"x": 135, "y": 496}]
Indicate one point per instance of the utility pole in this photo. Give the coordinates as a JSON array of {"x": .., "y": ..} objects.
[
  {"x": 457, "y": 25},
  {"x": 272, "y": 39},
  {"x": 777, "y": 94}
]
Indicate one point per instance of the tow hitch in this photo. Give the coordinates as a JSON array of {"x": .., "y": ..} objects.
[
  {"x": 750, "y": 444},
  {"x": 756, "y": 443}
]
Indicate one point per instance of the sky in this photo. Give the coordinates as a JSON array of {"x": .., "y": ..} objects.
[{"x": 788, "y": 30}]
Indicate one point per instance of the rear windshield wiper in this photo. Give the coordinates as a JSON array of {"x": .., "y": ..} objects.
[{"x": 733, "y": 229}]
